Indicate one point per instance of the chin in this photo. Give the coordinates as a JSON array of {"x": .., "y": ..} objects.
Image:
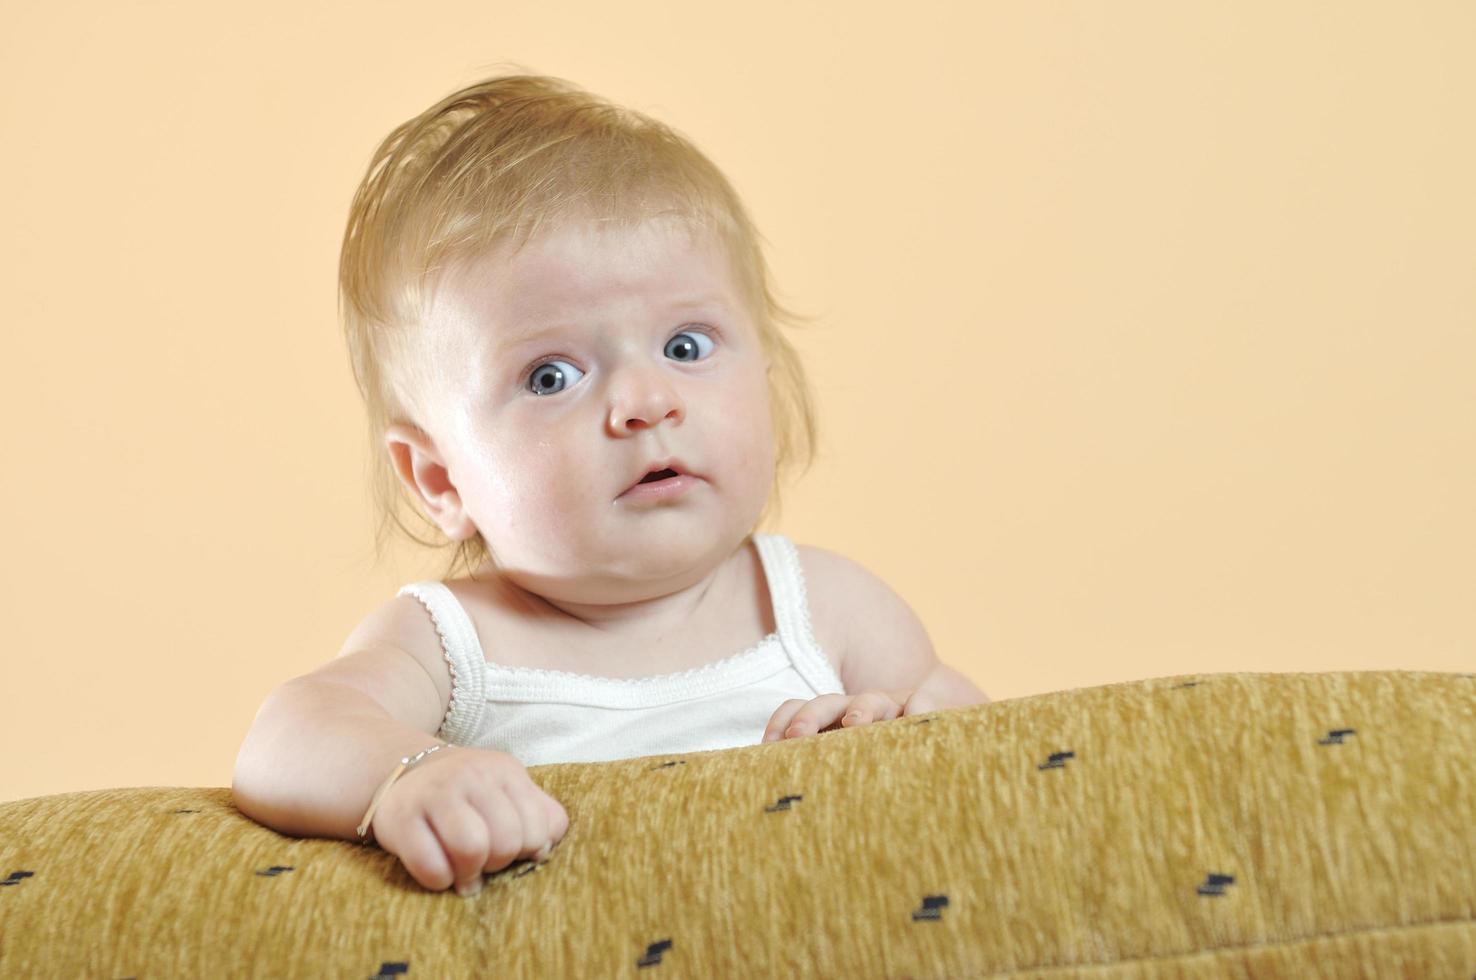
[
  {"x": 625, "y": 571},
  {"x": 665, "y": 556}
]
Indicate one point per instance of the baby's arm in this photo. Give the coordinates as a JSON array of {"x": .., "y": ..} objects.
[
  {"x": 888, "y": 666},
  {"x": 323, "y": 744},
  {"x": 320, "y": 746}
]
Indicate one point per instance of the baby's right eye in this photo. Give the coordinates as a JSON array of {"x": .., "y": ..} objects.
[{"x": 552, "y": 377}]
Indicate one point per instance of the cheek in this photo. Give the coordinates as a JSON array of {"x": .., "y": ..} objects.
[
  {"x": 531, "y": 480},
  {"x": 748, "y": 429}
]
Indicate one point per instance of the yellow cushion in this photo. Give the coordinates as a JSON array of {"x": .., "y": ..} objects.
[{"x": 1216, "y": 825}]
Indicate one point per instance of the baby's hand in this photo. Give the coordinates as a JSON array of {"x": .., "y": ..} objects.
[
  {"x": 463, "y": 812},
  {"x": 796, "y": 718}
]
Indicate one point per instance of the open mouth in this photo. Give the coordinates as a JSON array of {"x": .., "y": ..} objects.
[{"x": 659, "y": 475}]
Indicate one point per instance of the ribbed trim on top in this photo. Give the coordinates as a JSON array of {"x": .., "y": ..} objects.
[
  {"x": 463, "y": 652},
  {"x": 786, "y": 580}
]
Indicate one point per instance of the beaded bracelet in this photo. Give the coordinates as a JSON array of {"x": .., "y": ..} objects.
[{"x": 405, "y": 763}]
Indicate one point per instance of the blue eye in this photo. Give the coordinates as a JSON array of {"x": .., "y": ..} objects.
[
  {"x": 552, "y": 377},
  {"x": 689, "y": 346}
]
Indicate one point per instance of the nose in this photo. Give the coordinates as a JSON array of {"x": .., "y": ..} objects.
[{"x": 643, "y": 397}]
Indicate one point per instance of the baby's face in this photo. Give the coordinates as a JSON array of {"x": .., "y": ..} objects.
[{"x": 592, "y": 357}]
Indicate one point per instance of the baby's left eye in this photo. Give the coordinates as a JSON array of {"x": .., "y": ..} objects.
[{"x": 689, "y": 345}]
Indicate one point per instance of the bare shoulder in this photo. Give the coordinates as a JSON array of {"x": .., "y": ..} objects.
[
  {"x": 394, "y": 655},
  {"x": 882, "y": 642}
]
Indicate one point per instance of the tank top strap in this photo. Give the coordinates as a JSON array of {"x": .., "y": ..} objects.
[
  {"x": 462, "y": 651},
  {"x": 786, "y": 581}
]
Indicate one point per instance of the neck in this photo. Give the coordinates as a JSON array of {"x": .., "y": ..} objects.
[
  {"x": 674, "y": 605},
  {"x": 657, "y": 616}
]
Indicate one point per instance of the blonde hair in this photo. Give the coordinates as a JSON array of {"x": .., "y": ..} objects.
[{"x": 495, "y": 162}]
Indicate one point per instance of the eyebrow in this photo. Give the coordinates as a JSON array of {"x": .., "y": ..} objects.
[
  {"x": 506, "y": 344},
  {"x": 524, "y": 339},
  {"x": 695, "y": 303}
]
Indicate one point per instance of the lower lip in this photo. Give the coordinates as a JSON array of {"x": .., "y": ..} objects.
[{"x": 667, "y": 489}]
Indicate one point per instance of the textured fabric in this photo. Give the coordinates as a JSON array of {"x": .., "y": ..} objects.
[
  {"x": 1207, "y": 827},
  {"x": 546, "y": 716}
]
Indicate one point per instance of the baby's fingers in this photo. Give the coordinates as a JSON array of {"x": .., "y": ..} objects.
[
  {"x": 796, "y": 718},
  {"x": 871, "y": 706},
  {"x": 780, "y": 719},
  {"x": 419, "y": 850},
  {"x": 468, "y": 834},
  {"x": 539, "y": 834}
]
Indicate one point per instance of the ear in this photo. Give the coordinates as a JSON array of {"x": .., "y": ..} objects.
[{"x": 422, "y": 468}]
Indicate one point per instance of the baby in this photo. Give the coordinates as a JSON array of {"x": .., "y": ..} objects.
[{"x": 559, "y": 316}]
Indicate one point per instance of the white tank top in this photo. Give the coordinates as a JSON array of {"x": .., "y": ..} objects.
[{"x": 544, "y": 716}]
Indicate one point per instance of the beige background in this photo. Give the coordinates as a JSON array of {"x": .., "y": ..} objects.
[{"x": 1146, "y": 345}]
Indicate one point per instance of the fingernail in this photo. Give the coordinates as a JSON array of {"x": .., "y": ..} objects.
[
  {"x": 467, "y": 889},
  {"x": 853, "y": 716},
  {"x": 543, "y": 852}
]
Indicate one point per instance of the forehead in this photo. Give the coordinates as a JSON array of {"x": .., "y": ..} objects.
[{"x": 580, "y": 274}]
